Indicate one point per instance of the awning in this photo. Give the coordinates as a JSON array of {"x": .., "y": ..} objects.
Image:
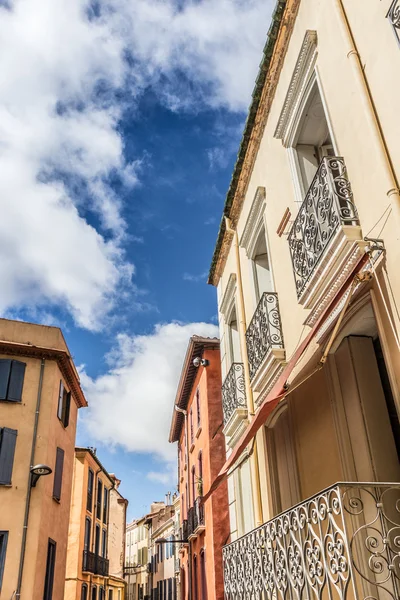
[{"x": 279, "y": 391}]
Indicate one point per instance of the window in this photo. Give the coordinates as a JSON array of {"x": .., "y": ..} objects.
[
  {"x": 191, "y": 426},
  {"x": 89, "y": 501},
  {"x": 193, "y": 481},
  {"x": 12, "y": 373},
  {"x": 170, "y": 589},
  {"x": 105, "y": 505},
  {"x": 94, "y": 593},
  {"x": 58, "y": 472},
  {"x": 64, "y": 405},
  {"x": 50, "y": 565},
  {"x": 97, "y": 541},
  {"x": 261, "y": 268},
  {"x": 99, "y": 493},
  {"x": 195, "y": 583},
  {"x": 84, "y": 592},
  {"x": 198, "y": 408},
  {"x": 102, "y": 594},
  {"x": 3, "y": 548},
  {"x": 88, "y": 527},
  {"x": 8, "y": 440},
  {"x": 200, "y": 478},
  {"x": 312, "y": 140},
  {"x": 203, "y": 575},
  {"x": 104, "y": 543},
  {"x": 233, "y": 338},
  {"x": 110, "y": 594}
]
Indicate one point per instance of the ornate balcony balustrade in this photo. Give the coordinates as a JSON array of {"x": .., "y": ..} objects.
[
  {"x": 184, "y": 531},
  {"x": 93, "y": 563},
  {"x": 233, "y": 391},
  {"x": 394, "y": 18},
  {"x": 328, "y": 205},
  {"x": 264, "y": 332},
  {"x": 343, "y": 543}
]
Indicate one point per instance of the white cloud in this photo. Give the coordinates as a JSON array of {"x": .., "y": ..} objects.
[
  {"x": 217, "y": 158},
  {"x": 131, "y": 405},
  {"x": 168, "y": 476},
  {"x": 195, "y": 278},
  {"x": 59, "y": 136}
]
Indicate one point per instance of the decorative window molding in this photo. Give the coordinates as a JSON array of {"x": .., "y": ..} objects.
[
  {"x": 394, "y": 18},
  {"x": 229, "y": 295},
  {"x": 254, "y": 222},
  {"x": 304, "y": 67}
]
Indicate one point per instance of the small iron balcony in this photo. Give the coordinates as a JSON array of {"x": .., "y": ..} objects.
[
  {"x": 341, "y": 544},
  {"x": 264, "y": 332},
  {"x": 394, "y": 18},
  {"x": 328, "y": 206},
  {"x": 93, "y": 563},
  {"x": 233, "y": 391}
]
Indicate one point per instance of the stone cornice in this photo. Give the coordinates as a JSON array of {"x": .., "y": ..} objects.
[
  {"x": 304, "y": 63},
  {"x": 267, "y": 96}
]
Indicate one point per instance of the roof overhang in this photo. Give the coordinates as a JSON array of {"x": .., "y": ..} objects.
[{"x": 197, "y": 346}]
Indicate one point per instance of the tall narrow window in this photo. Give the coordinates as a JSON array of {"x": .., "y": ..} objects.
[
  {"x": 191, "y": 426},
  {"x": 88, "y": 527},
  {"x": 193, "y": 481},
  {"x": 89, "y": 500},
  {"x": 198, "y": 408},
  {"x": 58, "y": 473},
  {"x": 195, "y": 582},
  {"x": 8, "y": 440},
  {"x": 104, "y": 543},
  {"x": 12, "y": 373},
  {"x": 233, "y": 338},
  {"x": 97, "y": 541},
  {"x": 99, "y": 494},
  {"x": 3, "y": 549},
  {"x": 84, "y": 592},
  {"x": 50, "y": 566},
  {"x": 64, "y": 405},
  {"x": 94, "y": 593},
  {"x": 105, "y": 504},
  {"x": 110, "y": 594},
  {"x": 200, "y": 478},
  {"x": 203, "y": 575},
  {"x": 261, "y": 267}
]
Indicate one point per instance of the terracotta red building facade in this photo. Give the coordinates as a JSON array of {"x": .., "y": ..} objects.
[{"x": 197, "y": 424}]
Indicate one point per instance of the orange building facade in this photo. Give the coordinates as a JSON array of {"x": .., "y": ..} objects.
[{"x": 197, "y": 424}]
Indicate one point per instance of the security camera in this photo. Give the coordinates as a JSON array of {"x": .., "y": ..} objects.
[
  {"x": 204, "y": 362},
  {"x": 197, "y": 361}
]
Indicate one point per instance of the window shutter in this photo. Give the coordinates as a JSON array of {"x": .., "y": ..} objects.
[
  {"x": 66, "y": 409},
  {"x": 16, "y": 381},
  {"x": 58, "y": 474},
  {"x": 60, "y": 401},
  {"x": 8, "y": 439},
  {"x": 5, "y": 368}
]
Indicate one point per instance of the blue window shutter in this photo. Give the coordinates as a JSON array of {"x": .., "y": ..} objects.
[
  {"x": 58, "y": 472},
  {"x": 5, "y": 368},
  {"x": 8, "y": 439},
  {"x": 16, "y": 382}
]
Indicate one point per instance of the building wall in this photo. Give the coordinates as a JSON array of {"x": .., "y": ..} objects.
[
  {"x": 349, "y": 118},
  {"x": 116, "y": 533},
  {"x": 48, "y": 518},
  {"x": 209, "y": 440}
]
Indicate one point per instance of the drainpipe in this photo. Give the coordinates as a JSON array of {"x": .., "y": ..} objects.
[
  {"x": 254, "y": 462},
  {"x": 184, "y": 413},
  {"x": 392, "y": 184},
  {"x": 29, "y": 491}
]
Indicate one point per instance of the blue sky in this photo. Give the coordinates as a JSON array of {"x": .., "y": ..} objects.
[{"x": 120, "y": 122}]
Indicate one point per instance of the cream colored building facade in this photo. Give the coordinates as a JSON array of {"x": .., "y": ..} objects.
[
  {"x": 40, "y": 395},
  {"x": 136, "y": 559},
  {"x": 307, "y": 271},
  {"x": 96, "y": 536}
]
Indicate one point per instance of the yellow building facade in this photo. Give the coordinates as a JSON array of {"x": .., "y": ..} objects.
[
  {"x": 307, "y": 271},
  {"x": 94, "y": 528},
  {"x": 40, "y": 395}
]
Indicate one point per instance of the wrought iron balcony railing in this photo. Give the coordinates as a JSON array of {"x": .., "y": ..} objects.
[
  {"x": 342, "y": 544},
  {"x": 184, "y": 530},
  {"x": 264, "y": 331},
  {"x": 233, "y": 391},
  {"x": 327, "y": 206},
  {"x": 394, "y": 18},
  {"x": 192, "y": 521},
  {"x": 93, "y": 563},
  {"x": 199, "y": 510}
]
